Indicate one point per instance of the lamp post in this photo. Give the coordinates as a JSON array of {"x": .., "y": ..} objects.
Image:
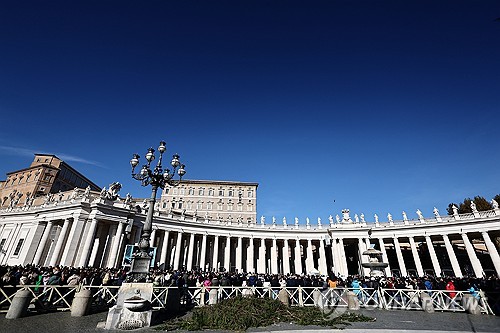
[{"x": 157, "y": 178}]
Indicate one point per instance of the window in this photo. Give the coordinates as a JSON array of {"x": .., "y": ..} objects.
[
  {"x": 166, "y": 191},
  {"x": 250, "y": 194},
  {"x": 164, "y": 205},
  {"x": 182, "y": 191},
  {"x": 211, "y": 192},
  {"x": 230, "y": 206},
  {"x": 201, "y": 191},
  {"x": 175, "y": 191},
  {"x": 240, "y": 207},
  {"x": 219, "y": 206},
  {"x": 173, "y": 204},
  {"x": 191, "y": 191},
  {"x": 47, "y": 177},
  {"x": 249, "y": 207},
  {"x": 180, "y": 205},
  {"x": 199, "y": 205},
  {"x": 20, "y": 178},
  {"x": 18, "y": 247},
  {"x": 28, "y": 178},
  {"x": 221, "y": 193},
  {"x": 230, "y": 193}
]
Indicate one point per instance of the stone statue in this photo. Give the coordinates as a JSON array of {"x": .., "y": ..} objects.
[
  {"x": 86, "y": 194},
  {"x": 405, "y": 217},
  {"x": 103, "y": 193},
  {"x": 206, "y": 215},
  {"x": 455, "y": 210},
  {"x": 330, "y": 219},
  {"x": 337, "y": 218},
  {"x": 436, "y": 212},
  {"x": 60, "y": 195},
  {"x": 240, "y": 219},
  {"x": 296, "y": 221},
  {"x": 284, "y": 220},
  {"x": 145, "y": 205},
  {"x": 218, "y": 217},
  {"x": 473, "y": 206},
  {"x": 112, "y": 193},
  {"x": 345, "y": 215},
  {"x": 389, "y": 217},
  {"x": 362, "y": 217},
  {"x": 274, "y": 220},
  {"x": 307, "y": 221},
  {"x": 419, "y": 213},
  {"x": 48, "y": 198},
  {"x": 356, "y": 218},
  {"x": 74, "y": 194},
  {"x": 128, "y": 199},
  {"x": 494, "y": 203},
  {"x": 376, "y": 218},
  {"x": 319, "y": 221},
  {"x": 262, "y": 219}
]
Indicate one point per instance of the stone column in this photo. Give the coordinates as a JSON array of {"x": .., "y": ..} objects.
[
  {"x": 492, "y": 251},
  {"x": 286, "y": 257},
  {"x": 322, "y": 258},
  {"x": 471, "y": 252},
  {"x": 239, "y": 255},
  {"x": 363, "y": 258},
  {"x": 343, "y": 257},
  {"x": 69, "y": 250},
  {"x": 227, "y": 254},
  {"x": 274, "y": 257},
  {"x": 95, "y": 245},
  {"x": 309, "y": 258},
  {"x": 298, "y": 259},
  {"x": 399, "y": 254},
  {"x": 416, "y": 257},
  {"x": 335, "y": 260},
  {"x": 164, "y": 249},
  {"x": 453, "y": 258},
  {"x": 177, "y": 256},
  {"x": 250, "y": 256},
  {"x": 190, "y": 253},
  {"x": 434, "y": 259},
  {"x": 60, "y": 241},
  {"x": 152, "y": 238},
  {"x": 116, "y": 245},
  {"x": 384, "y": 256},
  {"x": 203, "y": 252},
  {"x": 215, "y": 259},
  {"x": 43, "y": 243},
  {"x": 262, "y": 256}
]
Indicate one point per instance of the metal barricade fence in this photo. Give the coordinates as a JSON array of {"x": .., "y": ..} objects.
[{"x": 51, "y": 297}]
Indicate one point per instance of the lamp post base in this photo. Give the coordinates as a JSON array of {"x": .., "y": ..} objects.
[{"x": 140, "y": 268}]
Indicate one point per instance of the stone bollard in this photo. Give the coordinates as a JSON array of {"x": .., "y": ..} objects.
[
  {"x": 212, "y": 296},
  {"x": 352, "y": 301},
  {"x": 427, "y": 304},
  {"x": 471, "y": 304},
  {"x": 81, "y": 303},
  {"x": 283, "y": 297},
  {"x": 19, "y": 306},
  {"x": 318, "y": 298},
  {"x": 173, "y": 300}
]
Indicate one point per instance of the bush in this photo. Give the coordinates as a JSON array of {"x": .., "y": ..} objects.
[{"x": 240, "y": 313}]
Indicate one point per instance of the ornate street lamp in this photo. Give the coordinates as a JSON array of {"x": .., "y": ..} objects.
[{"x": 157, "y": 178}]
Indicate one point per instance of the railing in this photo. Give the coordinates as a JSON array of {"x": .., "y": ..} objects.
[{"x": 59, "y": 298}]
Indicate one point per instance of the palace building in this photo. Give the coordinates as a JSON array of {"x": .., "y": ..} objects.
[{"x": 87, "y": 227}]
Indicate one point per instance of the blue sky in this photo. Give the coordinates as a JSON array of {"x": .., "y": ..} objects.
[{"x": 382, "y": 106}]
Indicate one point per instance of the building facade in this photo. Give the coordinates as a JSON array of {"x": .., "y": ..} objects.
[
  {"x": 214, "y": 200},
  {"x": 46, "y": 175},
  {"x": 211, "y": 225},
  {"x": 86, "y": 229}
]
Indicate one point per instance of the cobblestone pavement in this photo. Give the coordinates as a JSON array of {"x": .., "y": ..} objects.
[{"x": 387, "y": 322}]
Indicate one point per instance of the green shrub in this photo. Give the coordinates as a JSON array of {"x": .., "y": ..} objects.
[{"x": 240, "y": 313}]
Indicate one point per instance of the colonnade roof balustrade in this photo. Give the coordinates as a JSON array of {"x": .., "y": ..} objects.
[{"x": 78, "y": 198}]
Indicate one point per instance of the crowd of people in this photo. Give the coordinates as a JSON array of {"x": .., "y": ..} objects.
[{"x": 72, "y": 276}]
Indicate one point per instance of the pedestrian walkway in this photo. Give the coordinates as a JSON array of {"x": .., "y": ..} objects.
[{"x": 386, "y": 322}]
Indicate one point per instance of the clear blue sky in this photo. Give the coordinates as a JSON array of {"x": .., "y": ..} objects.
[{"x": 382, "y": 106}]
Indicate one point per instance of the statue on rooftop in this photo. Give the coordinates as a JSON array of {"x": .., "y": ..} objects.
[
  {"x": 330, "y": 219},
  {"x": 405, "y": 217},
  {"x": 436, "y": 212},
  {"x": 389, "y": 217},
  {"x": 356, "y": 218},
  {"x": 419, "y": 213},
  {"x": 376, "y": 218},
  {"x": 362, "y": 217},
  {"x": 494, "y": 203},
  {"x": 473, "y": 207},
  {"x": 262, "y": 219}
]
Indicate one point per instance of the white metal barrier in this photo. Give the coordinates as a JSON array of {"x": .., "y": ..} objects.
[{"x": 52, "y": 297}]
